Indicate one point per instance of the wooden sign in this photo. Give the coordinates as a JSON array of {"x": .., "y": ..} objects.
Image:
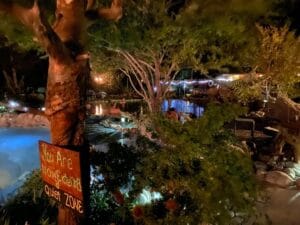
[{"x": 61, "y": 172}]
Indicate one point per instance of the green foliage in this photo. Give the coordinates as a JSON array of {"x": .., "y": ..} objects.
[
  {"x": 29, "y": 204},
  {"x": 248, "y": 90},
  {"x": 277, "y": 60},
  {"x": 111, "y": 171},
  {"x": 224, "y": 32},
  {"x": 116, "y": 165},
  {"x": 143, "y": 30},
  {"x": 199, "y": 168},
  {"x": 16, "y": 32},
  {"x": 279, "y": 56},
  {"x": 208, "y": 35}
]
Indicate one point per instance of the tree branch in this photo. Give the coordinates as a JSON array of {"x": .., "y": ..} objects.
[
  {"x": 132, "y": 83},
  {"x": 90, "y": 5},
  {"x": 141, "y": 70},
  {"x": 138, "y": 78},
  {"x": 33, "y": 19},
  {"x": 114, "y": 12}
]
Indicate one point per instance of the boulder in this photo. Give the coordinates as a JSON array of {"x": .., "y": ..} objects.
[
  {"x": 260, "y": 165},
  {"x": 41, "y": 120},
  {"x": 297, "y": 169},
  {"x": 297, "y": 183},
  {"x": 290, "y": 172},
  {"x": 4, "y": 122},
  {"x": 23, "y": 120},
  {"x": 279, "y": 178},
  {"x": 260, "y": 174}
]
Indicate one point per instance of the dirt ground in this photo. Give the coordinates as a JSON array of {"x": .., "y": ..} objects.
[{"x": 283, "y": 206}]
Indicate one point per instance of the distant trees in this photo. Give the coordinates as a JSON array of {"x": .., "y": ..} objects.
[
  {"x": 14, "y": 85},
  {"x": 19, "y": 69}
]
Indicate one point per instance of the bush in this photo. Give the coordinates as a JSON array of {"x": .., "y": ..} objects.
[
  {"x": 29, "y": 204},
  {"x": 200, "y": 174}
]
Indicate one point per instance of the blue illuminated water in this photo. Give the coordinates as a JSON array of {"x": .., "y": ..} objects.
[
  {"x": 18, "y": 155},
  {"x": 19, "y": 146},
  {"x": 183, "y": 106}
]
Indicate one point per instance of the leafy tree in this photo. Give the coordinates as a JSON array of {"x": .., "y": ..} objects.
[
  {"x": 138, "y": 48},
  {"x": 156, "y": 38},
  {"x": 199, "y": 170},
  {"x": 277, "y": 62}
]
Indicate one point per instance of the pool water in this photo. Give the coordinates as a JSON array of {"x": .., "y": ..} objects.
[{"x": 18, "y": 156}]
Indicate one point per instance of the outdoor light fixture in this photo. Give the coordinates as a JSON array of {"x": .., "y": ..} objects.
[
  {"x": 100, "y": 78},
  {"x": 13, "y": 104},
  {"x": 98, "y": 110}
]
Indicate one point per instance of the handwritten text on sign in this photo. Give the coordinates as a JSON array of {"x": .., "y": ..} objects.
[{"x": 61, "y": 171}]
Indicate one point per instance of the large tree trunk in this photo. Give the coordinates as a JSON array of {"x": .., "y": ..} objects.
[
  {"x": 68, "y": 71},
  {"x": 65, "y": 101},
  {"x": 154, "y": 105},
  {"x": 65, "y": 109}
]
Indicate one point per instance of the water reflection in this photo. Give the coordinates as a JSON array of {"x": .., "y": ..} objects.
[
  {"x": 101, "y": 108},
  {"x": 183, "y": 106}
]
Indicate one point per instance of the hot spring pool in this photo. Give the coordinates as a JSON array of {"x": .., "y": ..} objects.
[{"x": 18, "y": 156}]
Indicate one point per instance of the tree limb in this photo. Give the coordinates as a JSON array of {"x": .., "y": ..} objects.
[
  {"x": 114, "y": 12},
  {"x": 132, "y": 83},
  {"x": 33, "y": 19},
  {"x": 138, "y": 79},
  {"x": 142, "y": 72},
  {"x": 90, "y": 5}
]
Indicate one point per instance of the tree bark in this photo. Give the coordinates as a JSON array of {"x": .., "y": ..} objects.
[
  {"x": 146, "y": 78},
  {"x": 67, "y": 73}
]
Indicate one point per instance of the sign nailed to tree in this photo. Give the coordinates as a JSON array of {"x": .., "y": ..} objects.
[{"x": 61, "y": 172}]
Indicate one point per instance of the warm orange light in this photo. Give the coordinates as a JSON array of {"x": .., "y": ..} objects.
[{"x": 98, "y": 78}]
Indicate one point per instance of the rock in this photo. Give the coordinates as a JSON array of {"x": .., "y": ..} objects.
[
  {"x": 297, "y": 169},
  {"x": 4, "y": 122},
  {"x": 41, "y": 120},
  {"x": 260, "y": 174},
  {"x": 293, "y": 166},
  {"x": 290, "y": 172},
  {"x": 297, "y": 182},
  {"x": 23, "y": 120},
  {"x": 264, "y": 158},
  {"x": 289, "y": 164},
  {"x": 279, "y": 178},
  {"x": 260, "y": 165}
]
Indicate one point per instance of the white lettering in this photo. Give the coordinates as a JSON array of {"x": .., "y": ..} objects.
[
  {"x": 63, "y": 161},
  {"x": 51, "y": 192},
  {"x": 73, "y": 203}
]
